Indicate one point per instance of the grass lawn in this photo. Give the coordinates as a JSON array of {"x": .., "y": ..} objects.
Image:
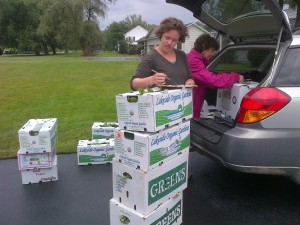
[{"x": 74, "y": 89}]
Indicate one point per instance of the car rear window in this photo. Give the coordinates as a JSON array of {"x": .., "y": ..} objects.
[
  {"x": 242, "y": 60},
  {"x": 289, "y": 74}
]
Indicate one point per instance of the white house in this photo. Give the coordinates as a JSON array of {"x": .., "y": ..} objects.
[
  {"x": 135, "y": 34},
  {"x": 150, "y": 41},
  {"x": 194, "y": 32}
]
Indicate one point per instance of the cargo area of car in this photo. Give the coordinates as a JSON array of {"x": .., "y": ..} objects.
[{"x": 254, "y": 62}]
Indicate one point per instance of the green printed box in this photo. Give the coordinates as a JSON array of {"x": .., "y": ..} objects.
[
  {"x": 169, "y": 213},
  {"x": 145, "y": 191},
  {"x": 102, "y": 130},
  {"x": 97, "y": 151},
  {"x": 146, "y": 151},
  {"x": 153, "y": 111},
  {"x": 38, "y": 136}
]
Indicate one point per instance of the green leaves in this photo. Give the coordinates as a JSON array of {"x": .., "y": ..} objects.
[{"x": 148, "y": 90}]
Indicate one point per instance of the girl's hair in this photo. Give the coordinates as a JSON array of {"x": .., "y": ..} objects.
[
  {"x": 172, "y": 23},
  {"x": 204, "y": 42}
]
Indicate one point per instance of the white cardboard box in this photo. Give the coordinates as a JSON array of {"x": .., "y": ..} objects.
[
  {"x": 168, "y": 213},
  {"x": 146, "y": 151},
  {"x": 35, "y": 160},
  {"x": 102, "y": 130},
  {"x": 145, "y": 191},
  {"x": 38, "y": 175},
  {"x": 97, "y": 151},
  {"x": 38, "y": 135},
  {"x": 229, "y": 100},
  {"x": 153, "y": 111}
]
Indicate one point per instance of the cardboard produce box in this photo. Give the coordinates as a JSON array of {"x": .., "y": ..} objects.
[
  {"x": 102, "y": 130},
  {"x": 146, "y": 151},
  {"x": 153, "y": 111},
  {"x": 38, "y": 135},
  {"x": 38, "y": 175},
  {"x": 168, "y": 213},
  {"x": 145, "y": 191},
  {"x": 35, "y": 160},
  {"x": 97, "y": 151},
  {"x": 229, "y": 100}
]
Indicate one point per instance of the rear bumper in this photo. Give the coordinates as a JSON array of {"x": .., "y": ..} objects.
[{"x": 250, "y": 149}]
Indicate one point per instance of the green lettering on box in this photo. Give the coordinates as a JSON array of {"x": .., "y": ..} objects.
[
  {"x": 171, "y": 216},
  {"x": 166, "y": 183}
]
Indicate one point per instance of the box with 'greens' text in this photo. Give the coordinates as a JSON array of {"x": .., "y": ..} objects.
[
  {"x": 169, "y": 213},
  {"x": 153, "y": 111},
  {"x": 97, "y": 151},
  {"x": 145, "y": 191},
  {"x": 146, "y": 151}
]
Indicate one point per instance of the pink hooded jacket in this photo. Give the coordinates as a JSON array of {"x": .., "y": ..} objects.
[{"x": 204, "y": 78}]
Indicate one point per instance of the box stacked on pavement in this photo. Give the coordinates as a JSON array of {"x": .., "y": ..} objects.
[
  {"x": 37, "y": 158},
  {"x": 102, "y": 130},
  {"x": 150, "y": 167},
  {"x": 168, "y": 213},
  {"x": 145, "y": 191},
  {"x": 153, "y": 111},
  {"x": 146, "y": 151},
  {"x": 96, "y": 151},
  {"x": 37, "y": 175}
]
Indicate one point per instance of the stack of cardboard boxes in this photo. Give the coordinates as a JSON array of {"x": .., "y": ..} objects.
[
  {"x": 37, "y": 157},
  {"x": 150, "y": 167},
  {"x": 100, "y": 149}
]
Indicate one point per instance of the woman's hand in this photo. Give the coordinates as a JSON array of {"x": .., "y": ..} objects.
[
  {"x": 241, "y": 79},
  {"x": 190, "y": 82},
  {"x": 158, "y": 78}
]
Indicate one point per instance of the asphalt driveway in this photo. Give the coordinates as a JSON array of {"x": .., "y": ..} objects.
[{"x": 215, "y": 196}]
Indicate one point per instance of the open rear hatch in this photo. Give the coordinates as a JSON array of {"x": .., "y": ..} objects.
[{"x": 241, "y": 20}]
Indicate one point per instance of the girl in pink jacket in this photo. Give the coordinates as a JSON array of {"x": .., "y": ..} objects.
[{"x": 198, "y": 58}]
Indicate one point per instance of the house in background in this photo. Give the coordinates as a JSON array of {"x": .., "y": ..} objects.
[
  {"x": 150, "y": 41},
  {"x": 132, "y": 36}
]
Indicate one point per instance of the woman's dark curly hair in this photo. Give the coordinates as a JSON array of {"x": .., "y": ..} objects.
[
  {"x": 204, "y": 42},
  {"x": 172, "y": 23}
]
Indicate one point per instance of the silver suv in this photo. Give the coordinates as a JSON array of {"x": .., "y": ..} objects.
[{"x": 263, "y": 136}]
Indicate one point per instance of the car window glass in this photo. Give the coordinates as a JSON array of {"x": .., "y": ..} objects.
[
  {"x": 246, "y": 60},
  {"x": 289, "y": 75},
  {"x": 226, "y": 11}
]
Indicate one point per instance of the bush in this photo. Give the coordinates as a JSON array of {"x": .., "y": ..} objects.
[
  {"x": 139, "y": 49},
  {"x": 123, "y": 47},
  {"x": 132, "y": 50},
  {"x": 10, "y": 51}
]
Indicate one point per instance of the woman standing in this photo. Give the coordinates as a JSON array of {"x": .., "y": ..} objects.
[
  {"x": 164, "y": 64},
  {"x": 198, "y": 58}
]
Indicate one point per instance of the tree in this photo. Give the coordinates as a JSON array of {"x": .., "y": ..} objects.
[
  {"x": 115, "y": 34},
  {"x": 134, "y": 20},
  {"x": 95, "y": 8},
  {"x": 40, "y": 24},
  {"x": 19, "y": 21},
  {"x": 90, "y": 39}
]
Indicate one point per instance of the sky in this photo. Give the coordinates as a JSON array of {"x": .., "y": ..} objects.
[{"x": 152, "y": 11}]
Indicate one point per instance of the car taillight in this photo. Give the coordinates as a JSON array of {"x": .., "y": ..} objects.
[{"x": 261, "y": 103}]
